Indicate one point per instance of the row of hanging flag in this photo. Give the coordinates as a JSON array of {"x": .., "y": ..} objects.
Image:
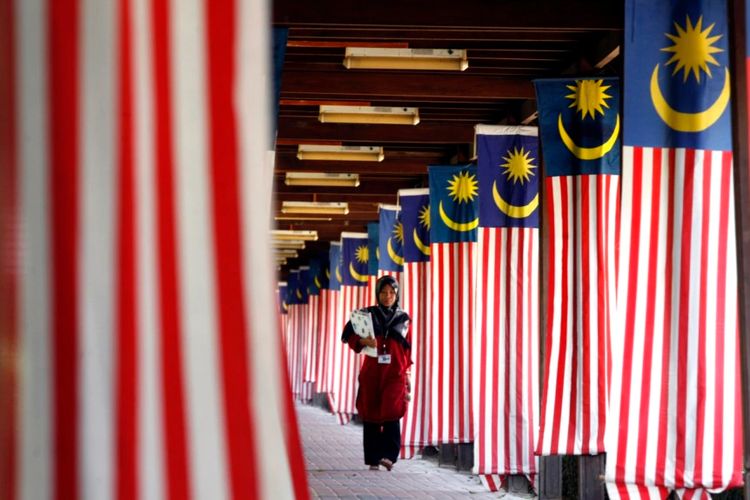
[{"x": 638, "y": 277}]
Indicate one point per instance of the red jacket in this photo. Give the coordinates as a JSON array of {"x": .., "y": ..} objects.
[{"x": 382, "y": 387}]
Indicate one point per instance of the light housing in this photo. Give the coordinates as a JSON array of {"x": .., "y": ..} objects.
[
  {"x": 414, "y": 59},
  {"x": 289, "y": 244},
  {"x": 314, "y": 207},
  {"x": 368, "y": 114},
  {"x": 321, "y": 179},
  {"x": 286, "y": 253},
  {"x": 339, "y": 153},
  {"x": 294, "y": 234}
]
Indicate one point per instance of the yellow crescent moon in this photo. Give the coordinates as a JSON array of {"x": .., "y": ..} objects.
[
  {"x": 688, "y": 122},
  {"x": 299, "y": 295},
  {"x": 338, "y": 274},
  {"x": 328, "y": 274},
  {"x": 284, "y": 305},
  {"x": 515, "y": 211},
  {"x": 394, "y": 256},
  {"x": 421, "y": 246},
  {"x": 588, "y": 153},
  {"x": 318, "y": 283},
  {"x": 461, "y": 227},
  {"x": 377, "y": 253},
  {"x": 359, "y": 277}
]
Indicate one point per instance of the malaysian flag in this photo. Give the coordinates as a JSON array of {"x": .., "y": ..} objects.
[
  {"x": 354, "y": 295},
  {"x": 506, "y": 325},
  {"x": 454, "y": 212},
  {"x": 282, "y": 291},
  {"x": 334, "y": 324},
  {"x": 415, "y": 299},
  {"x": 143, "y": 359},
  {"x": 390, "y": 242},
  {"x": 296, "y": 329},
  {"x": 373, "y": 257},
  {"x": 320, "y": 281},
  {"x": 580, "y": 128},
  {"x": 305, "y": 333},
  {"x": 676, "y": 413}
]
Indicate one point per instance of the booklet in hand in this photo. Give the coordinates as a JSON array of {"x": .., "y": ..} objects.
[{"x": 362, "y": 324}]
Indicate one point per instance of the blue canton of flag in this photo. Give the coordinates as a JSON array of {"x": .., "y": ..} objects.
[
  {"x": 677, "y": 68},
  {"x": 454, "y": 204},
  {"x": 580, "y": 125},
  {"x": 415, "y": 217},
  {"x": 293, "y": 294},
  {"x": 355, "y": 256},
  {"x": 373, "y": 241},
  {"x": 282, "y": 297},
  {"x": 508, "y": 171},
  {"x": 391, "y": 239},
  {"x": 303, "y": 289},
  {"x": 334, "y": 270},
  {"x": 315, "y": 283}
]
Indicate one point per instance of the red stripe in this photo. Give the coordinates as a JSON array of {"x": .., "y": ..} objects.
[
  {"x": 629, "y": 315},
  {"x": 701, "y": 376},
  {"x": 721, "y": 286},
  {"x": 604, "y": 303},
  {"x": 481, "y": 441},
  {"x": 458, "y": 334},
  {"x": 666, "y": 370},
  {"x": 572, "y": 277},
  {"x": 506, "y": 262},
  {"x": 9, "y": 265},
  {"x": 648, "y": 361},
  {"x": 127, "y": 403},
  {"x": 521, "y": 278},
  {"x": 438, "y": 253},
  {"x": 532, "y": 311},
  {"x": 174, "y": 426},
  {"x": 63, "y": 100},
  {"x": 684, "y": 315},
  {"x": 221, "y": 43},
  {"x": 496, "y": 241},
  {"x": 584, "y": 301},
  {"x": 467, "y": 393}
]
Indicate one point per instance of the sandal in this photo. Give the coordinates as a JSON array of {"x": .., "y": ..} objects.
[
  {"x": 386, "y": 463},
  {"x": 374, "y": 467}
]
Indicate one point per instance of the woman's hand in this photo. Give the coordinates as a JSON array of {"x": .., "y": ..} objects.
[{"x": 368, "y": 342}]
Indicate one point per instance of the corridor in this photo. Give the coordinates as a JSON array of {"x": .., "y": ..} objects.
[{"x": 333, "y": 458}]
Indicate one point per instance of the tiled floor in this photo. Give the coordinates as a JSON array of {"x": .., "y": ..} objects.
[{"x": 335, "y": 468}]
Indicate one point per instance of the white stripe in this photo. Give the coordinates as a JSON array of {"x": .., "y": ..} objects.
[
  {"x": 203, "y": 387},
  {"x": 96, "y": 259},
  {"x": 34, "y": 339},
  {"x": 568, "y": 378},
  {"x": 593, "y": 308},
  {"x": 150, "y": 417}
]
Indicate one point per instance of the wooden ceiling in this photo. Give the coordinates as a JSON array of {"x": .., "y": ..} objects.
[{"x": 509, "y": 43}]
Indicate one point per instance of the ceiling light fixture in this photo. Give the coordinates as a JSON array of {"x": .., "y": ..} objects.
[
  {"x": 339, "y": 153},
  {"x": 321, "y": 179},
  {"x": 298, "y": 218},
  {"x": 294, "y": 234},
  {"x": 369, "y": 114},
  {"x": 285, "y": 252},
  {"x": 424, "y": 59},
  {"x": 291, "y": 244},
  {"x": 314, "y": 207}
]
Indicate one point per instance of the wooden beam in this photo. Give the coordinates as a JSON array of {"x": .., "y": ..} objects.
[
  {"x": 369, "y": 85},
  {"x": 517, "y": 14}
]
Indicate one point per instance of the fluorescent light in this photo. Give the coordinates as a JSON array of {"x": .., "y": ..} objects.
[
  {"x": 294, "y": 234},
  {"x": 285, "y": 252},
  {"x": 314, "y": 207},
  {"x": 340, "y": 153},
  {"x": 368, "y": 114},
  {"x": 426, "y": 59},
  {"x": 298, "y": 218},
  {"x": 321, "y": 179},
  {"x": 292, "y": 244}
]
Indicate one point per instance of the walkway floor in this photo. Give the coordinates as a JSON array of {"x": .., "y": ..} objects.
[{"x": 335, "y": 468}]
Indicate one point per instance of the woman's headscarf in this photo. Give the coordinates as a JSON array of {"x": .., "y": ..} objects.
[{"x": 386, "y": 280}]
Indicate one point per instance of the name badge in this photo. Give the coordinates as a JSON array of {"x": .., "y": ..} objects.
[{"x": 384, "y": 359}]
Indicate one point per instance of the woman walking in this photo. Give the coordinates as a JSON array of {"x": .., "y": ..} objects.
[{"x": 384, "y": 387}]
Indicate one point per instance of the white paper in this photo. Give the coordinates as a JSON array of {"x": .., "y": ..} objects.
[{"x": 362, "y": 324}]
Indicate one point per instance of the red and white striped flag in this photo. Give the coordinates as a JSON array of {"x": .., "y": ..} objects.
[
  {"x": 506, "y": 324},
  {"x": 676, "y": 399},
  {"x": 582, "y": 192},
  {"x": 415, "y": 299},
  {"x": 454, "y": 218},
  {"x": 143, "y": 359}
]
